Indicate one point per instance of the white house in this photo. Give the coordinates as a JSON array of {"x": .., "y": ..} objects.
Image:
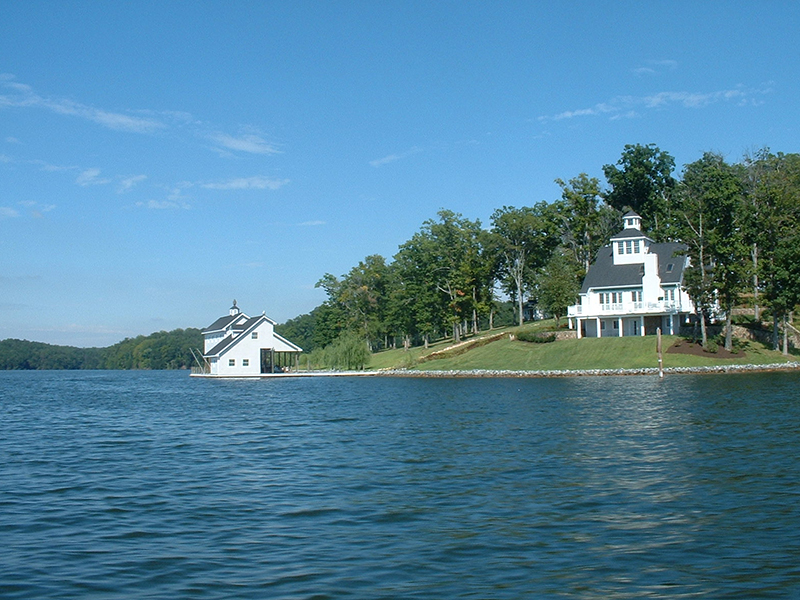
[
  {"x": 633, "y": 287},
  {"x": 237, "y": 345}
]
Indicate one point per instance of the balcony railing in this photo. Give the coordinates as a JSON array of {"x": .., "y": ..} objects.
[{"x": 624, "y": 308}]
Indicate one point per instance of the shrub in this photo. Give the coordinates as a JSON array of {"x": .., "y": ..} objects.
[{"x": 536, "y": 338}]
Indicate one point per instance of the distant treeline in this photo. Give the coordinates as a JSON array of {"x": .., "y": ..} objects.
[{"x": 161, "y": 350}]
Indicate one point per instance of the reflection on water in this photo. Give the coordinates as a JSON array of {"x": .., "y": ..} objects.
[{"x": 120, "y": 484}]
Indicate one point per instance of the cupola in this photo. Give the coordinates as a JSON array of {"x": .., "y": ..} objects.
[{"x": 632, "y": 221}]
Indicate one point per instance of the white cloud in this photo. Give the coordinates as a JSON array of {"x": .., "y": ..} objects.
[
  {"x": 37, "y": 210},
  {"x": 654, "y": 67},
  {"x": 19, "y": 95},
  {"x": 6, "y": 212},
  {"x": 258, "y": 182},
  {"x": 251, "y": 143},
  {"x": 129, "y": 182},
  {"x": 22, "y": 96},
  {"x": 626, "y": 106},
  {"x": 91, "y": 177},
  {"x": 379, "y": 162},
  {"x": 163, "y": 205}
]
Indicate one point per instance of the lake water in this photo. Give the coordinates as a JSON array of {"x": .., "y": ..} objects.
[{"x": 155, "y": 485}]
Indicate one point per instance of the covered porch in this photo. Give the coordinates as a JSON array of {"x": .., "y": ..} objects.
[{"x": 625, "y": 325}]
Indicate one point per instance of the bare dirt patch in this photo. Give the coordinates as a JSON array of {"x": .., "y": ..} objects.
[{"x": 696, "y": 349}]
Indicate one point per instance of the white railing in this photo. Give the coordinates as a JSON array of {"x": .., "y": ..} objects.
[{"x": 625, "y": 308}]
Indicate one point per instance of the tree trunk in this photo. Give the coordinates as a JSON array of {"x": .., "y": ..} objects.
[
  {"x": 756, "y": 312},
  {"x": 728, "y": 331},
  {"x": 775, "y": 344},
  {"x": 491, "y": 319},
  {"x": 703, "y": 332},
  {"x": 785, "y": 336}
]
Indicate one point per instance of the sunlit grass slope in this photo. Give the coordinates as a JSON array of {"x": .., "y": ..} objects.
[{"x": 592, "y": 353}]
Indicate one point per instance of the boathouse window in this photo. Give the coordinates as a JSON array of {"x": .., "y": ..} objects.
[
  {"x": 245, "y": 362},
  {"x": 231, "y": 362},
  {"x": 254, "y": 336}
]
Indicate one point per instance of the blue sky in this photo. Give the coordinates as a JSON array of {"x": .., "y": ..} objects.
[{"x": 158, "y": 159}]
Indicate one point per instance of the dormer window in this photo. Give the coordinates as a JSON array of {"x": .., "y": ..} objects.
[{"x": 670, "y": 266}]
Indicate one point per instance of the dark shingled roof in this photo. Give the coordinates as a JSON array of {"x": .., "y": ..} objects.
[
  {"x": 629, "y": 233},
  {"x": 220, "y": 323},
  {"x": 670, "y": 253},
  {"x": 230, "y": 340},
  {"x": 605, "y": 274}
]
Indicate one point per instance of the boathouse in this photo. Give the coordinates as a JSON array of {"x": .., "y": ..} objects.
[{"x": 237, "y": 345}]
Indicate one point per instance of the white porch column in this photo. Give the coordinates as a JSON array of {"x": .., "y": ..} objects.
[
  {"x": 620, "y": 327},
  {"x": 578, "y": 327},
  {"x": 599, "y": 331},
  {"x": 641, "y": 326}
]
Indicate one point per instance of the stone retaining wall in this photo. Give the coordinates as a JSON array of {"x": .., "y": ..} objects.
[{"x": 744, "y": 333}]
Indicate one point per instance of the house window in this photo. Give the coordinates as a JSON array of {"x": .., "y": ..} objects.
[
  {"x": 636, "y": 296},
  {"x": 636, "y": 246},
  {"x": 620, "y": 246},
  {"x": 245, "y": 362},
  {"x": 616, "y": 324},
  {"x": 610, "y": 297},
  {"x": 231, "y": 362},
  {"x": 628, "y": 247},
  {"x": 254, "y": 336},
  {"x": 670, "y": 266},
  {"x": 669, "y": 295}
]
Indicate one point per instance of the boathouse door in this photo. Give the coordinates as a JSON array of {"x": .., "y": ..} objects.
[{"x": 267, "y": 360}]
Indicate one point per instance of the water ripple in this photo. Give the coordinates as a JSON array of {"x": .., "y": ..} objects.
[{"x": 154, "y": 485}]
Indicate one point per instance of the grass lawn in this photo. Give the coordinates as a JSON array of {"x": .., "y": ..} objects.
[{"x": 588, "y": 353}]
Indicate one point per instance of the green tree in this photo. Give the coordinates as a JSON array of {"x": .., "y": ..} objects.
[
  {"x": 773, "y": 219},
  {"x": 642, "y": 181},
  {"x": 361, "y": 295},
  {"x": 587, "y": 222},
  {"x": 442, "y": 259},
  {"x": 526, "y": 238},
  {"x": 709, "y": 218},
  {"x": 558, "y": 287}
]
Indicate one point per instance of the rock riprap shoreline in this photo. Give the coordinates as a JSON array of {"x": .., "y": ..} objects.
[{"x": 591, "y": 372}]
